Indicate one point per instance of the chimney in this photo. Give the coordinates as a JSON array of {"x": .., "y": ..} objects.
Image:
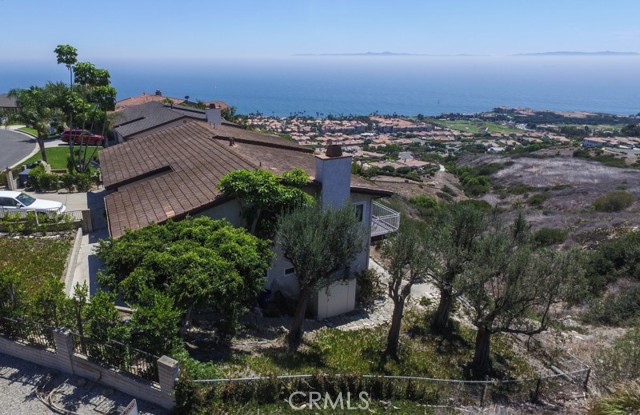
[
  {"x": 214, "y": 116},
  {"x": 333, "y": 171}
]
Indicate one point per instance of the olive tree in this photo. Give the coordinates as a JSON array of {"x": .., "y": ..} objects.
[
  {"x": 320, "y": 244},
  {"x": 510, "y": 287},
  {"x": 408, "y": 258},
  {"x": 455, "y": 235}
]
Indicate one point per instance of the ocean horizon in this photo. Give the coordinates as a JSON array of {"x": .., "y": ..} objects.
[{"x": 357, "y": 85}]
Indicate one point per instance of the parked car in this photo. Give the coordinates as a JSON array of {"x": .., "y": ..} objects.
[
  {"x": 21, "y": 202},
  {"x": 81, "y": 137}
]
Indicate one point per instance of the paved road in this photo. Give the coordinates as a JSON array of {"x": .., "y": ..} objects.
[
  {"x": 13, "y": 147},
  {"x": 20, "y": 381}
]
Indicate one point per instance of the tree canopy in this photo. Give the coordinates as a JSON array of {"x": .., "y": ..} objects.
[
  {"x": 264, "y": 196},
  {"x": 199, "y": 263}
]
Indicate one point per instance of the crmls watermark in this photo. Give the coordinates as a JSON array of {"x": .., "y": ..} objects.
[{"x": 315, "y": 400}]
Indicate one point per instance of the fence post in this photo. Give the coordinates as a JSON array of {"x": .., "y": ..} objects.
[
  {"x": 536, "y": 394},
  {"x": 482, "y": 396},
  {"x": 586, "y": 379},
  {"x": 168, "y": 370},
  {"x": 64, "y": 349}
]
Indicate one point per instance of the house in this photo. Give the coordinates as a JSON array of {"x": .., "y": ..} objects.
[
  {"x": 145, "y": 98},
  {"x": 7, "y": 103},
  {"x": 153, "y": 116},
  {"x": 173, "y": 173}
]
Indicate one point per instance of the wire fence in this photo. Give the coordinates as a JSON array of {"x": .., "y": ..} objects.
[
  {"x": 428, "y": 391},
  {"x": 118, "y": 356},
  {"x": 29, "y": 332}
]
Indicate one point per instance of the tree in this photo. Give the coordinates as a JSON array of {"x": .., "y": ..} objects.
[
  {"x": 35, "y": 109},
  {"x": 154, "y": 323},
  {"x": 408, "y": 257},
  {"x": 510, "y": 287},
  {"x": 199, "y": 263},
  {"x": 264, "y": 196},
  {"x": 320, "y": 244},
  {"x": 68, "y": 55},
  {"x": 455, "y": 236}
]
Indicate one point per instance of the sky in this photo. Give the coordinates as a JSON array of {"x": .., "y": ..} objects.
[{"x": 202, "y": 30}]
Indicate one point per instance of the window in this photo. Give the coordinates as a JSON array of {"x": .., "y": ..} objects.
[
  {"x": 359, "y": 210},
  {"x": 25, "y": 199}
]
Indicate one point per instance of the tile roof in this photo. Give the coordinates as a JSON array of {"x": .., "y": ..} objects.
[
  {"x": 144, "y": 98},
  {"x": 145, "y": 117},
  {"x": 8, "y": 102},
  {"x": 174, "y": 172}
]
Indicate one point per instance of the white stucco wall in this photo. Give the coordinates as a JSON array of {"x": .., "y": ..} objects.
[{"x": 336, "y": 299}]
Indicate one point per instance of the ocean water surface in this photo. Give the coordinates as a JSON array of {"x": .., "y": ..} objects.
[{"x": 409, "y": 85}]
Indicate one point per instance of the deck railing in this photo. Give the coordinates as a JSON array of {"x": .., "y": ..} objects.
[{"x": 384, "y": 220}]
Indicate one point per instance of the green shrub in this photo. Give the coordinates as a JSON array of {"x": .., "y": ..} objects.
[
  {"x": 621, "y": 363},
  {"x": 538, "y": 199},
  {"x": 614, "y": 259},
  {"x": 614, "y": 201},
  {"x": 427, "y": 205},
  {"x": 83, "y": 182},
  {"x": 620, "y": 309},
  {"x": 549, "y": 236},
  {"x": 68, "y": 181},
  {"x": 369, "y": 287},
  {"x": 625, "y": 399}
]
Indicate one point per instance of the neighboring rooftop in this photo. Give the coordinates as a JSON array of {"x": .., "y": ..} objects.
[
  {"x": 145, "y": 98},
  {"x": 136, "y": 121},
  {"x": 175, "y": 172},
  {"x": 7, "y": 102}
]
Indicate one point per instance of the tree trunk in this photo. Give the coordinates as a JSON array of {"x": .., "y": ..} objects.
[
  {"x": 441, "y": 320},
  {"x": 481, "y": 364},
  {"x": 185, "y": 322},
  {"x": 295, "y": 331},
  {"x": 393, "y": 339},
  {"x": 43, "y": 152}
]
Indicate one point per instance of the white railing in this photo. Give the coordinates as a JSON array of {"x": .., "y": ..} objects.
[
  {"x": 52, "y": 214},
  {"x": 383, "y": 220}
]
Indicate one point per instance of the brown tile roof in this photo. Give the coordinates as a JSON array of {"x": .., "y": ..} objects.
[
  {"x": 144, "y": 98},
  {"x": 176, "y": 171}
]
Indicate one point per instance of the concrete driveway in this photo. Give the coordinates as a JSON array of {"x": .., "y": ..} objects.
[{"x": 14, "y": 146}]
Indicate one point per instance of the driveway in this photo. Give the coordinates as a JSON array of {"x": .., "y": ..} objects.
[{"x": 14, "y": 147}]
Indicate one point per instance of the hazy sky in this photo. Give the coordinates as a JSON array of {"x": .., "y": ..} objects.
[{"x": 198, "y": 29}]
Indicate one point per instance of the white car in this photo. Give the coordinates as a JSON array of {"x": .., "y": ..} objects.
[{"x": 22, "y": 202}]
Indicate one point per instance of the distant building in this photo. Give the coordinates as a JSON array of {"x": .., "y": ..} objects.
[{"x": 8, "y": 103}]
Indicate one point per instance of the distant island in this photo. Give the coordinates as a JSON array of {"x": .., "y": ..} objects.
[
  {"x": 385, "y": 53},
  {"x": 574, "y": 53}
]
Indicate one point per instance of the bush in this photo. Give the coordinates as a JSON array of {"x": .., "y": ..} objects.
[
  {"x": 625, "y": 399},
  {"x": 369, "y": 287},
  {"x": 614, "y": 259},
  {"x": 549, "y": 236},
  {"x": 68, "y": 182},
  {"x": 616, "y": 310},
  {"x": 427, "y": 205},
  {"x": 538, "y": 199},
  {"x": 614, "y": 202},
  {"x": 41, "y": 181},
  {"x": 83, "y": 182},
  {"x": 621, "y": 363}
]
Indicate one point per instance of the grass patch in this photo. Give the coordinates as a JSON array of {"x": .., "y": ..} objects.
[
  {"x": 422, "y": 354},
  {"x": 33, "y": 132},
  {"x": 475, "y": 127},
  {"x": 57, "y": 156},
  {"x": 538, "y": 199},
  {"x": 35, "y": 258}
]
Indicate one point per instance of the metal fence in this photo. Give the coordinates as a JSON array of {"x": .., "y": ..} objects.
[
  {"x": 28, "y": 332},
  {"x": 118, "y": 356},
  {"x": 427, "y": 391}
]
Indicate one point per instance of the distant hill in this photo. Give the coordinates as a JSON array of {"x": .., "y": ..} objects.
[
  {"x": 386, "y": 53},
  {"x": 572, "y": 53}
]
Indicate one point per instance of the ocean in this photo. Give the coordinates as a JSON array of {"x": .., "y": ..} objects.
[{"x": 361, "y": 85}]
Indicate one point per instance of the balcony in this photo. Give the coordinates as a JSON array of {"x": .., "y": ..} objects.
[{"x": 383, "y": 220}]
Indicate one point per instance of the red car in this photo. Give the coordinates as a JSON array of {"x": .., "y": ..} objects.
[{"x": 81, "y": 137}]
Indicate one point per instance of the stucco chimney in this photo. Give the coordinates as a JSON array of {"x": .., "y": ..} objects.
[
  {"x": 214, "y": 116},
  {"x": 333, "y": 171}
]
